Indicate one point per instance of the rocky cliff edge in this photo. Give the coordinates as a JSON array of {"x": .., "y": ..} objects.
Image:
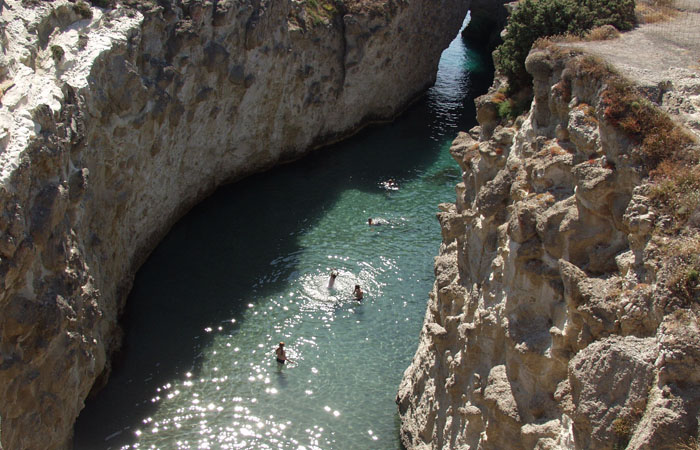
[
  {"x": 566, "y": 309},
  {"x": 115, "y": 121}
]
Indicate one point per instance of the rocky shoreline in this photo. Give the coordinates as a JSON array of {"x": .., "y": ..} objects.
[
  {"x": 114, "y": 122},
  {"x": 553, "y": 322}
]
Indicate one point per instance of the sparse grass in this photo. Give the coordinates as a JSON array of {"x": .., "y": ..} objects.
[
  {"x": 652, "y": 11},
  {"x": 676, "y": 192},
  {"x": 622, "y": 427},
  {"x": 682, "y": 258},
  {"x": 670, "y": 156},
  {"x": 595, "y": 68},
  {"x": 322, "y": 11},
  {"x": 687, "y": 444},
  {"x": 604, "y": 33},
  {"x": 509, "y": 108},
  {"x": 506, "y": 109},
  {"x": 556, "y": 150},
  {"x": 589, "y": 114},
  {"x": 657, "y": 137}
]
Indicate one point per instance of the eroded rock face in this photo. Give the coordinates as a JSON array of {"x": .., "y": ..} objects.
[
  {"x": 547, "y": 326},
  {"x": 115, "y": 122}
]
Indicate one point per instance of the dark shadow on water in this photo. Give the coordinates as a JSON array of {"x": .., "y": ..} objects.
[{"x": 207, "y": 269}]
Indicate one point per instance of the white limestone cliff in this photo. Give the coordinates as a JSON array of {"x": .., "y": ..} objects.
[
  {"x": 552, "y": 324},
  {"x": 114, "y": 122}
]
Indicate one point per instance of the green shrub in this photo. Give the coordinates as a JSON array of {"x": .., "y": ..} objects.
[
  {"x": 510, "y": 109},
  {"x": 505, "y": 109},
  {"x": 57, "y": 53},
  {"x": 534, "y": 19},
  {"x": 83, "y": 10},
  {"x": 618, "y": 13}
]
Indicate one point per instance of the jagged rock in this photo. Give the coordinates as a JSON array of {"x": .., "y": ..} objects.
[
  {"x": 562, "y": 335},
  {"x": 147, "y": 110},
  {"x": 491, "y": 198},
  {"x": 610, "y": 380},
  {"x": 523, "y": 222}
]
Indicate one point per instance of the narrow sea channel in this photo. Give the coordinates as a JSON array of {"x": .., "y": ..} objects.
[{"x": 249, "y": 266}]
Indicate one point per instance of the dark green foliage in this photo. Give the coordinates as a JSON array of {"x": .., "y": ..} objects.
[
  {"x": 57, "y": 53},
  {"x": 510, "y": 109},
  {"x": 534, "y": 19},
  {"x": 618, "y": 13},
  {"x": 83, "y": 10},
  {"x": 102, "y": 3}
]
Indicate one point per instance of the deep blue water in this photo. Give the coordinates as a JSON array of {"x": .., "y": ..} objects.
[{"x": 248, "y": 267}]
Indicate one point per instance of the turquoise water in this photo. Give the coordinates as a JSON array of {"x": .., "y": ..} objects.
[{"x": 249, "y": 267}]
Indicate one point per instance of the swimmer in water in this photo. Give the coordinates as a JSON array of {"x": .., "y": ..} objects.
[
  {"x": 331, "y": 280},
  {"x": 358, "y": 293},
  {"x": 377, "y": 221},
  {"x": 390, "y": 185},
  {"x": 281, "y": 355}
]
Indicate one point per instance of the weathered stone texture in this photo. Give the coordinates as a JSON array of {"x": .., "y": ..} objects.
[
  {"x": 115, "y": 122},
  {"x": 547, "y": 327}
]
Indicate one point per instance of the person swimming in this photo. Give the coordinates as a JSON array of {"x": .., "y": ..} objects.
[
  {"x": 390, "y": 185},
  {"x": 331, "y": 279},
  {"x": 358, "y": 293},
  {"x": 372, "y": 222}
]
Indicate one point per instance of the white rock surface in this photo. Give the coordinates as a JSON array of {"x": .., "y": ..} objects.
[
  {"x": 554, "y": 326},
  {"x": 113, "y": 123}
]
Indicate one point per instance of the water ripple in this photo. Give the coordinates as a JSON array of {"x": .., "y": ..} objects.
[{"x": 220, "y": 293}]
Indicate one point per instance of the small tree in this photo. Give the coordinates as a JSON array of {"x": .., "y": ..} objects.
[{"x": 533, "y": 19}]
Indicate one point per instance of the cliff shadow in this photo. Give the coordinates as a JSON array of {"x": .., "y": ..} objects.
[{"x": 208, "y": 269}]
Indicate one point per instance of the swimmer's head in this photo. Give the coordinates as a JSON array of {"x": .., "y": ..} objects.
[
  {"x": 369, "y": 221},
  {"x": 281, "y": 344},
  {"x": 357, "y": 286}
]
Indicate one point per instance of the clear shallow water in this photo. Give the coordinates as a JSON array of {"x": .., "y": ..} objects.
[{"x": 249, "y": 267}]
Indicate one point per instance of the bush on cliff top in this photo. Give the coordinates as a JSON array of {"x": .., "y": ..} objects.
[{"x": 533, "y": 19}]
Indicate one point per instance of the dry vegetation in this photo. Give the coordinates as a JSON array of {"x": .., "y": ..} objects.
[
  {"x": 319, "y": 12},
  {"x": 665, "y": 151},
  {"x": 602, "y": 33},
  {"x": 322, "y": 11},
  {"x": 690, "y": 444},
  {"x": 651, "y": 11},
  {"x": 669, "y": 154}
]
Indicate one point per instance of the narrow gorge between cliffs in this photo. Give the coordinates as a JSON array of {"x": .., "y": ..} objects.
[{"x": 248, "y": 267}]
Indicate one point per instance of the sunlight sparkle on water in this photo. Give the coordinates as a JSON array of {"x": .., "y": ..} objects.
[{"x": 269, "y": 274}]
